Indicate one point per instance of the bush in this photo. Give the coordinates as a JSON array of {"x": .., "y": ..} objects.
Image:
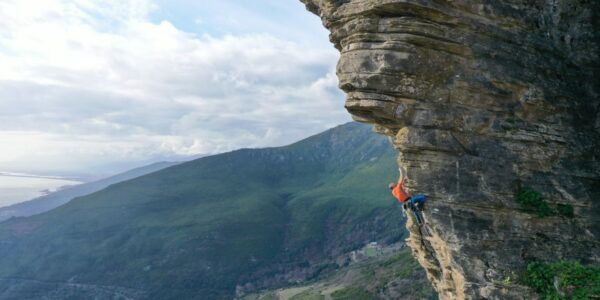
[
  {"x": 564, "y": 280},
  {"x": 565, "y": 210},
  {"x": 352, "y": 293},
  {"x": 533, "y": 202}
]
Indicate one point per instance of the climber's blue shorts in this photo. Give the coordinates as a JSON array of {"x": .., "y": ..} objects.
[{"x": 418, "y": 198}]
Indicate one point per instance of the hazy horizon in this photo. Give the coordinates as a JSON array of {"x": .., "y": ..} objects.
[{"x": 16, "y": 189}]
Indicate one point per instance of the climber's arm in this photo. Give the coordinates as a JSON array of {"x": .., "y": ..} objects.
[{"x": 401, "y": 179}]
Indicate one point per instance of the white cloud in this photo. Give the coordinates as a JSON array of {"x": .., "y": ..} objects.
[{"x": 89, "y": 84}]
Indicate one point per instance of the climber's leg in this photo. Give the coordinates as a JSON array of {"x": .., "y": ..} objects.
[
  {"x": 418, "y": 198},
  {"x": 416, "y": 213},
  {"x": 418, "y": 201},
  {"x": 413, "y": 209}
]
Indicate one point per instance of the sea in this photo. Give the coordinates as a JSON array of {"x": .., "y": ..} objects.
[{"x": 16, "y": 188}]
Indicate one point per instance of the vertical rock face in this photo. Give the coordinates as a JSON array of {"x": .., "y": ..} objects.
[{"x": 482, "y": 98}]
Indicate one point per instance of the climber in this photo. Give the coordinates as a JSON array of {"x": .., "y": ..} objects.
[{"x": 415, "y": 203}]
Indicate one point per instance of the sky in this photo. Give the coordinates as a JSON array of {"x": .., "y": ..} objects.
[{"x": 98, "y": 87}]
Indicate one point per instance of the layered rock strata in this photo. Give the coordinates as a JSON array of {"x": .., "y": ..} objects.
[{"x": 482, "y": 98}]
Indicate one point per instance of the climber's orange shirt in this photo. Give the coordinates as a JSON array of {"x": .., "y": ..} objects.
[{"x": 399, "y": 192}]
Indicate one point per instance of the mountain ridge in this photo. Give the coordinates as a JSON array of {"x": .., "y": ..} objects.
[{"x": 235, "y": 222}]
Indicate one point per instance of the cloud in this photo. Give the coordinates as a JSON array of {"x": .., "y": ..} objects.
[{"x": 88, "y": 84}]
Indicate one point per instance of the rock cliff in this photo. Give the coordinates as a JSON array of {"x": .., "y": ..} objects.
[{"x": 484, "y": 99}]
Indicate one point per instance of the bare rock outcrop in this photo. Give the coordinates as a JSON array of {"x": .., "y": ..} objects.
[{"x": 483, "y": 98}]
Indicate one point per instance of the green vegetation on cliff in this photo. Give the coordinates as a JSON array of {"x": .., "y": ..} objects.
[
  {"x": 250, "y": 219},
  {"x": 564, "y": 280},
  {"x": 533, "y": 202}
]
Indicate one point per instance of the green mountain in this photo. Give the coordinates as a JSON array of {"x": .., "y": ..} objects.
[
  {"x": 58, "y": 198},
  {"x": 236, "y": 222}
]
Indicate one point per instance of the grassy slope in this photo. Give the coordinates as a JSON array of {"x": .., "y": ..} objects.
[
  {"x": 200, "y": 228},
  {"x": 395, "y": 275}
]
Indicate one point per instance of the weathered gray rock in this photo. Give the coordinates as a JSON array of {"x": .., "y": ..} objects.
[{"x": 482, "y": 97}]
